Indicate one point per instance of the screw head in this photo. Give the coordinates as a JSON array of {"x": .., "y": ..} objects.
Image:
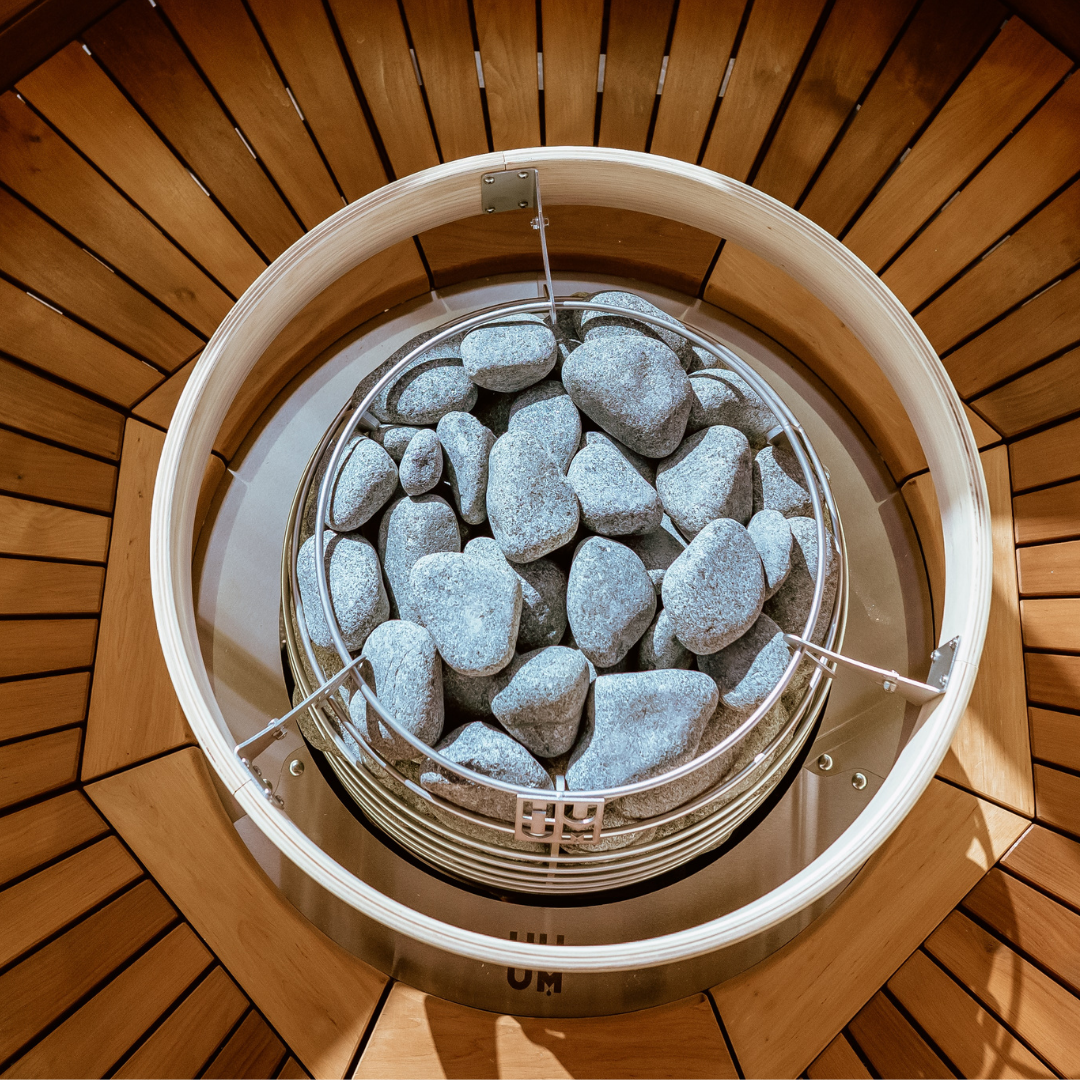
[
  {"x": 889, "y": 687},
  {"x": 858, "y": 781},
  {"x": 296, "y": 767},
  {"x": 490, "y": 209},
  {"x": 825, "y": 763},
  {"x": 523, "y": 204},
  {"x": 523, "y": 175},
  {"x": 489, "y": 179}
]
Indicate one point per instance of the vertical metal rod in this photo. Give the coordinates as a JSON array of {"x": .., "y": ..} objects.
[{"x": 543, "y": 248}]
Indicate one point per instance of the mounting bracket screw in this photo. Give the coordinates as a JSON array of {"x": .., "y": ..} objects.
[
  {"x": 489, "y": 179},
  {"x": 824, "y": 763},
  {"x": 296, "y": 767},
  {"x": 858, "y": 781}
]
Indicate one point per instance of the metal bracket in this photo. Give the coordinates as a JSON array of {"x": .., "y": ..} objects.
[
  {"x": 558, "y": 821},
  {"x": 514, "y": 189},
  {"x": 892, "y": 682}
]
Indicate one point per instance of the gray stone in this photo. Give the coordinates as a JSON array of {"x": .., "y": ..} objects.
[
  {"x": 634, "y": 388},
  {"x": 565, "y": 348},
  {"x": 493, "y": 411},
  {"x": 434, "y": 384},
  {"x": 771, "y": 533},
  {"x": 421, "y": 464},
  {"x": 660, "y": 648},
  {"x": 471, "y": 606},
  {"x": 658, "y": 549},
  {"x": 356, "y": 589},
  {"x": 714, "y": 590},
  {"x": 408, "y": 683},
  {"x": 615, "y": 500},
  {"x": 514, "y": 353},
  {"x": 411, "y": 528},
  {"x": 547, "y": 414},
  {"x": 747, "y": 670},
  {"x": 484, "y": 749},
  {"x": 467, "y": 444},
  {"x": 610, "y": 600},
  {"x": 471, "y": 695},
  {"x": 367, "y": 477},
  {"x": 779, "y": 483},
  {"x": 645, "y": 468},
  {"x": 722, "y": 397},
  {"x": 790, "y": 607},
  {"x": 541, "y": 705},
  {"x": 708, "y": 477},
  {"x": 593, "y": 324},
  {"x": 394, "y": 440},
  {"x": 531, "y": 505},
  {"x": 703, "y": 360}
]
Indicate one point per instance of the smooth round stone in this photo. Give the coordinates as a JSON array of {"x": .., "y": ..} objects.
[
  {"x": 634, "y": 388},
  {"x": 660, "y": 648},
  {"x": 541, "y": 705},
  {"x": 356, "y": 589},
  {"x": 747, "y": 670},
  {"x": 547, "y": 414},
  {"x": 722, "y": 397},
  {"x": 434, "y": 384},
  {"x": 779, "y": 484},
  {"x": 421, "y": 464},
  {"x": 703, "y": 360},
  {"x": 410, "y": 529},
  {"x": 467, "y": 444},
  {"x": 771, "y": 533},
  {"x": 484, "y": 749},
  {"x": 408, "y": 683},
  {"x": 658, "y": 549},
  {"x": 790, "y": 607},
  {"x": 510, "y": 355},
  {"x": 645, "y": 468},
  {"x": 366, "y": 478},
  {"x": 615, "y": 500},
  {"x": 714, "y": 590},
  {"x": 593, "y": 324},
  {"x": 708, "y": 477},
  {"x": 531, "y": 505},
  {"x": 610, "y": 600},
  {"x": 395, "y": 440},
  {"x": 471, "y": 606},
  {"x": 637, "y": 726}
]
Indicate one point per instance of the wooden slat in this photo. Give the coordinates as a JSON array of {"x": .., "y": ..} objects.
[
  {"x": 46, "y": 261},
  {"x": 41, "y": 167},
  {"x": 838, "y": 1061},
  {"x": 571, "y": 46},
  {"x": 982, "y": 432},
  {"x": 41, "y": 407},
  {"x": 775, "y": 38},
  {"x": 1050, "y": 514},
  {"x": 1040, "y": 251},
  {"x": 422, "y": 1036},
  {"x": 1031, "y": 332},
  {"x": 853, "y": 43},
  {"x": 1055, "y": 737},
  {"x": 921, "y": 501},
  {"x": 82, "y": 102},
  {"x": 1057, "y": 798},
  {"x": 813, "y": 985},
  {"x": 376, "y": 43},
  {"x": 1040, "y": 1011},
  {"x": 253, "y": 1050},
  {"x": 443, "y": 43},
  {"x": 182, "y": 1045},
  {"x": 29, "y": 467},
  {"x": 1049, "y": 569},
  {"x": 1052, "y": 679},
  {"x": 1051, "y": 623},
  {"x": 1014, "y": 74},
  {"x": 35, "y": 766},
  {"x": 975, "y": 1042},
  {"x": 637, "y": 34},
  {"x": 1046, "y": 457},
  {"x": 43, "y": 337},
  {"x": 45, "y": 830},
  {"x": 39, "y": 906},
  {"x": 769, "y": 299},
  {"x": 158, "y": 408},
  {"x": 506, "y": 30},
  {"x": 31, "y": 528},
  {"x": 139, "y": 51},
  {"x": 133, "y": 708},
  {"x": 892, "y": 1045},
  {"x": 1041, "y": 157},
  {"x": 941, "y": 40},
  {"x": 317, "y": 996},
  {"x": 1048, "y": 860},
  {"x": 44, "y": 985},
  {"x": 29, "y": 587},
  {"x": 90, "y": 1041},
  {"x": 1043, "y": 395},
  {"x": 227, "y": 47},
  {"x": 303, "y": 44},
  {"x": 28, "y": 646},
  {"x": 292, "y": 1070},
  {"x": 700, "y": 46}
]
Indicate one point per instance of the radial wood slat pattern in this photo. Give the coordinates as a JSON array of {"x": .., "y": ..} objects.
[
  {"x": 506, "y": 30},
  {"x": 571, "y": 47},
  {"x": 41, "y": 471},
  {"x": 1055, "y": 738},
  {"x": 891, "y": 1044},
  {"x": 41, "y": 832},
  {"x": 33, "y": 528}
]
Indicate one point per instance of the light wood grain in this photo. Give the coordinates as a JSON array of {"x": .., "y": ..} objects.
[
  {"x": 157, "y": 408},
  {"x": 30, "y": 587},
  {"x": 1046, "y": 457},
  {"x": 315, "y": 994},
  {"x": 33, "y": 528},
  {"x": 891, "y": 1044},
  {"x": 1043, "y": 395},
  {"x": 1055, "y": 738},
  {"x": 32, "y": 705},
  {"x": 34, "y": 766},
  {"x": 1052, "y": 679},
  {"x": 1050, "y": 514},
  {"x": 506, "y": 30},
  {"x": 838, "y": 1061},
  {"x": 292, "y": 1070},
  {"x": 813, "y": 985},
  {"x": 921, "y": 501},
  {"x": 1057, "y": 798},
  {"x": 29, "y": 467},
  {"x": 1049, "y": 861},
  {"x": 29, "y": 646},
  {"x": 45, "y": 830},
  {"x": 571, "y": 48},
  {"x": 1051, "y": 623},
  {"x": 252, "y": 1050},
  {"x": 420, "y": 1036},
  {"x": 1049, "y": 569}
]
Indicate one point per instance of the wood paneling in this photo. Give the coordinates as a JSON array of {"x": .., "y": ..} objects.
[
  {"x": 292, "y": 1070},
  {"x": 252, "y": 1050},
  {"x": 376, "y": 43},
  {"x": 921, "y": 501},
  {"x": 30, "y": 706},
  {"x": 317, "y": 996},
  {"x": 814, "y": 984},
  {"x": 1052, "y": 679},
  {"x": 1046, "y": 457},
  {"x": 1050, "y": 514},
  {"x": 34, "y": 766},
  {"x": 83, "y": 103},
  {"x": 1049, "y": 569},
  {"x": 700, "y": 47},
  {"x": 1048, "y": 860},
  {"x": 29, "y": 646},
  {"x": 29, "y": 587},
  {"x": 158, "y": 407},
  {"x": 29, "y": 467},
  {"x": 1014, "y": 74},
  {"x": 838, "y": 1060},
  {"x": 942, "y": 39},
  {"x": 45, "y": 830},
  {"x": 420, "y": 1036},
  {"x": 571, "y": 47},
  {"x": 775, "y": 38},
  {"x": 1055, "y": 737},
  {"x": 1051, "y": 624},
  {"x": 506, "y": 30},
  {"x": 637, "y": 34},
  {"x": 1045, "y": 394},
  {"x": 1057, "y": 798},
  {"x": 32, "y": 528},
  {"x": 891, "y": 1044},
  {"x": 853, "y": 43},
  {"x": 140, "y": 52}
]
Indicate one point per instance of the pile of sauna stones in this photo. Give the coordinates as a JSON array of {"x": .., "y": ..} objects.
[{"x": 566, "y": 552}]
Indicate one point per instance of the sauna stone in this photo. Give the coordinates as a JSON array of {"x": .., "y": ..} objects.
[
  {"x": 411, "y": 528},
  {"x": 395, "y": 440},
  {"x": 615, "y": 500},
  {"x": 467, "y": 444},
  {"x": 722, "y": 397},
  {"x": 790, "y": 607},
  {"x": 645, "y": 468},
  {"x": 659, "y": 648},
  {"x": 366, "y": 478},
  {"x": 434, "y": 384},
  {"x": 771, "y": 533},
  {"x": 779, "y": 483},
  {"x": 547, "y": 414},
  {"x": 747, "y": 670},
  {"x": 517, "y": 352},
  {"x": 422, "y": 463},
  {"x": 594, "y": 324}
]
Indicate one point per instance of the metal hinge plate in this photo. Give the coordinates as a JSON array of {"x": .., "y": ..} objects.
[{"x": 514, "y": 189}]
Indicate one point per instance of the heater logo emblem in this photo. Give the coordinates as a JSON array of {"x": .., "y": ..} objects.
[{"x": 547, "y": 982}]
